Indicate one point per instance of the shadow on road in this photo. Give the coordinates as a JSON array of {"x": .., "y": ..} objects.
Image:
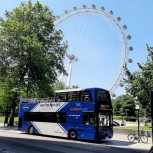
[
  {"x": 54, "y": 144},
  {"x": 117, "y": 143}
]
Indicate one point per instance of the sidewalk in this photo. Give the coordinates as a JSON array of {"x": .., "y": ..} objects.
[
  {"x": 118, "y": 140},
  {"x": 9, "y": 129}
]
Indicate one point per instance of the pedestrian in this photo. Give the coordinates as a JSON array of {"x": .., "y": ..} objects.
[
  {"x": 6, "y": 120},
  {"x": 145, "y": 122},
  {"x": 123, "y": 123}
]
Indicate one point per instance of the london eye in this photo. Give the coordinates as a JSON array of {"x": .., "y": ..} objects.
[{"x": 98, "y": 47}]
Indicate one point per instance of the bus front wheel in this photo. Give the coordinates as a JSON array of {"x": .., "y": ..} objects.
[
  {"x": 31, "y": 130},
  {"x": 72, "y": 135}
]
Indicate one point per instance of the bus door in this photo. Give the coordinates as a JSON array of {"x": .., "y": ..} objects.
[{"x": 105, "y": 125}]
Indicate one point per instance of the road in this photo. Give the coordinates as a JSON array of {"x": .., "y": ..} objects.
[{"x": 16, "y": 142}]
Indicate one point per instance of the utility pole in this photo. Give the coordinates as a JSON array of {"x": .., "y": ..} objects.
[{"x": 151, "y": 103}]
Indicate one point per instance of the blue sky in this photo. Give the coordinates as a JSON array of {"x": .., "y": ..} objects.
[{"x": 95, "y": 50}]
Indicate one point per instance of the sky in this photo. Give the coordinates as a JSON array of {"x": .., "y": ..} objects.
[{"x": 94, "y": 41}]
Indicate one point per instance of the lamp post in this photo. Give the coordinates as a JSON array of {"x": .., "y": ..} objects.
[
  {"x": 151, "y": 101},
  {"x": 137, "y": 108}
]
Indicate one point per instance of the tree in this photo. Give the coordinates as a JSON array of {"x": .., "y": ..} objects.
[
  {"x": 139, "y": 83},
  {"x": 59, "y": 86},
  {"x": 31, "y": 50},
  {"x": 124, "y": 105}
]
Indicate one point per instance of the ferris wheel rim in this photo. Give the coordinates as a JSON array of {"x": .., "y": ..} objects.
[{"x": 76, "y": 11}]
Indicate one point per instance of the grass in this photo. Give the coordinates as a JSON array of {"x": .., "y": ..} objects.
[
  {"x": 3, "y": 117},
  {"x": 147, "y": 128}
]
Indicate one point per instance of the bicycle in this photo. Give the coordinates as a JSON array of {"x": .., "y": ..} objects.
[{"x": 142, "y": 137}]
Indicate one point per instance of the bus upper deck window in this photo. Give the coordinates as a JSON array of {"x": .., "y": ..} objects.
[
  {"x": 73, "y": 96},
  {"x": 61, "y": 97},
  {"x": 102, "y": 96},
  {"x": 86, "y": 95}
]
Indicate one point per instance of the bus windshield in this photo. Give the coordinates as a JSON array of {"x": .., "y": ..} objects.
[{"x": 103, "y": 100}]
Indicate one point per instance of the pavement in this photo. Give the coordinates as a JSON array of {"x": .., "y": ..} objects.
[{"x": 119, "y": 140}]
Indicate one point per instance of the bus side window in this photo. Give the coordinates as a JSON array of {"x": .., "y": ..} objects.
[
  {"x": 88, "y": 118},
  {"x": 85, "y": 118},
  {"x": 82, "y": 98},
  {"x": 86, "y": 95},
  {"x": 61, "y": 117},
  {"x": 70, "y": 96},
  {"x": 76, "y": 96},
  {"x": 61, "y": 97},
  {"x": 57, "y": 97},
  {"x": 90, "y": 98},
  {"x": 92, "y": 118},
  {"x": 73, "y": 96}
]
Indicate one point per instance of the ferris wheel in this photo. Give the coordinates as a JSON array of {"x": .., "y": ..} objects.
[{"x": 98, "y": 47}]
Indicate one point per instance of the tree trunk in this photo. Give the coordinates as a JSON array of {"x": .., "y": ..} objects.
[
  {"x": 12, "y": 112},
  {"x": 6, "y": 116}
]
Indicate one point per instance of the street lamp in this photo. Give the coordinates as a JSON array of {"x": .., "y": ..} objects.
[{"x": 137, "y": 106}]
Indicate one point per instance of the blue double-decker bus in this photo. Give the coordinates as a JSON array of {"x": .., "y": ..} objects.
[{"x": 73, "y": 113}]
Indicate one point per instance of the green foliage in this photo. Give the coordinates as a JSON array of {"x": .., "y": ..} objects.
[
  {"x": 140, "y": 82},
  {"x": 124, "y": 105},
  {"x": 31, "y": 53},
  {"x": 3, "y": 117},
  {"x": 59, "y": 86},
  {"x": 146, "y": 128},
  {"x": 75, "y": 86},
  {"x": 31, "y": 48},
  {"x": 119, "y": 117}
]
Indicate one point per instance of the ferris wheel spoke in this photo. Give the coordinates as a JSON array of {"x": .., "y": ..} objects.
[{"x": 99, "y": 42}]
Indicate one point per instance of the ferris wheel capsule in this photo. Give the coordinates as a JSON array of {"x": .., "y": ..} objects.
[
  {"x": 113, "y": 95},
  {"x": 119, "y": 18},
  {"x": 124, "y": 27},
  {"x": 74, "y": 8},
  {"x": 130, "y": 48},
  {"x": 102, "y": 8},
  {"x": 84, "y": 6},
  {"x": 130, "y": 60},
  {"x": 121, "y": 84},
  {"x": 66, "y": 12},
  {"x": 111, "y": 12},
  {"x": 93, "y": 6},
  {"x": 57, "y": 17},
  {"x": 129, "y": 37}
]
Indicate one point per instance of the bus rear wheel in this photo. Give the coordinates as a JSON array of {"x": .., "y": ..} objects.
[
  {"x": 72, "y": 135},
  {"x": 31, "y": 130}
]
